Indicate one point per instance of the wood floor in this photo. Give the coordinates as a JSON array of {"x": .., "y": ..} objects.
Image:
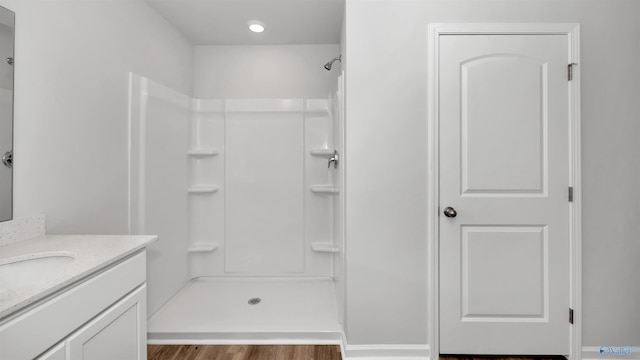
[{"x": 243, "y": 352}]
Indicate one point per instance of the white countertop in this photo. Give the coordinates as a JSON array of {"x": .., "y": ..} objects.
[{"x": 91, "y": 253}]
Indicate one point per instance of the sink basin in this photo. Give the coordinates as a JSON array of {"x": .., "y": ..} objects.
[{"x": 33, "y": 269}]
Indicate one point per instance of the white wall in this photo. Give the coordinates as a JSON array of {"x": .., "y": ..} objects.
[
  {"x": 72, "y": 65},
  {"x": 386, "y": 154},
  {"x": 270, "y": 71},
  {"x": 339, "y": 271},
  {"x": 386, "y": 174}
]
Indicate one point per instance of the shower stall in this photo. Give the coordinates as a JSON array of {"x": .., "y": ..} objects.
[{"x": 245, "y": 194}]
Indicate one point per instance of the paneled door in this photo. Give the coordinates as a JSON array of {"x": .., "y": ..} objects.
[{"x": 503, "y": 187}]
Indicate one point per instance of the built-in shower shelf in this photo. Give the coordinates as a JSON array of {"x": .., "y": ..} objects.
[
  {"x": 322, "y": 152},
  {"x": 203, "y": 152},
  {"x": 324, "y": 247},
  {"x": 203, "y": 247},
  {"x": 324, "y": 189},
  {"x": 318, "y": 111},
  {"x": 203, "y": 189}
]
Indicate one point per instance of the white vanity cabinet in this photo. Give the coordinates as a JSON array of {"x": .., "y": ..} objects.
[
  {"x": 114, "y": 334},
  {"x": 102, "y": 317}
]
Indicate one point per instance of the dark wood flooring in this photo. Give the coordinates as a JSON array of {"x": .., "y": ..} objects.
[{"x": 243, "y": 352}]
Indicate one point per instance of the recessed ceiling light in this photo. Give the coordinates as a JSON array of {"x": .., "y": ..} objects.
[{"x": 256, "y": 26}]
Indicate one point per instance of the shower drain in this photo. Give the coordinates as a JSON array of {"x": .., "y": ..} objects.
[{"x": 254, "y": 301}]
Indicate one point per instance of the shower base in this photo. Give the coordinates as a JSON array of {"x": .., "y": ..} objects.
[{"x": 210, "y": 310}]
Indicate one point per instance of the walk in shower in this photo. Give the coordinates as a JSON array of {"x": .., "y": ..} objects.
[{"x": 245, "y": 195}]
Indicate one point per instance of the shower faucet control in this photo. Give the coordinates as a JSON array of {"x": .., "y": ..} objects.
[
  {"x": 334, "y": 159},
  {"x": 7, "y": 159}
]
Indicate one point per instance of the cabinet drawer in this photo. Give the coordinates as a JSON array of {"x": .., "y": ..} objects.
[{"x": 33, "y": 332}]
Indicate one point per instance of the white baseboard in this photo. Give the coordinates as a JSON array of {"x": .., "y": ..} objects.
[
  {"x": 245, "y": 338},
  {"x": 605, "y": 352},
  {"x": 383, "y": 351}
]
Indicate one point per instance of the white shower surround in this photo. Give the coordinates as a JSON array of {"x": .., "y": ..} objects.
[
  {"x": 189, "y": 157},
  {"x": 265, "y": 217}
]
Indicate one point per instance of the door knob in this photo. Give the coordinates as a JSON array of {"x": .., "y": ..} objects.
[{"x": 450, "y": 212}]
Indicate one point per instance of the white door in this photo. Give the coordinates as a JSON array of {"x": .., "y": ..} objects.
[{"x": 504, "y": 168}]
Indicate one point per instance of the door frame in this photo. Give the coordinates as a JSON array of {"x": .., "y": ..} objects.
[{"x": 572, "y": 30}]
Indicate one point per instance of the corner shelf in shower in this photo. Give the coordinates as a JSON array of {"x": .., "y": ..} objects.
[
  {"x": 203, "y": 247},
  {"x": 324, "y": 189},
  {"x": 324, "y": 247},
  {"x": 203, "y": 152},
  {"x": 322, "y": 152},
  {"x": 203, "y": 189}
]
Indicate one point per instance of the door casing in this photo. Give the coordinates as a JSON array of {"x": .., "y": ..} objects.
[{"x": 572, "y": 31}]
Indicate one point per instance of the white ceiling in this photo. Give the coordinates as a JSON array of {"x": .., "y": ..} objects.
[{"x": 224, "y": 22}]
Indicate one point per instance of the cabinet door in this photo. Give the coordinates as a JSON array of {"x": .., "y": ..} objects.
[{"x": 120, "y": 332}]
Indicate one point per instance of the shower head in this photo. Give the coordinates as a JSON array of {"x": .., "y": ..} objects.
[{"x": 330, "y": 63}]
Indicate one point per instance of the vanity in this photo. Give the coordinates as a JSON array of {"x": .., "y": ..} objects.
[{"x": 74, "y": 297}]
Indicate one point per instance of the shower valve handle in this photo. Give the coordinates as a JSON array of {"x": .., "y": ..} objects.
[
  {"x": 7, "y": 159},
  {"x": 334, "y": 159}
]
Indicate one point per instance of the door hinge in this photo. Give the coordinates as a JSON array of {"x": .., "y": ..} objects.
[
  {"x": 570, "y": 193},
  {"x": 570, "y": 316},
  {"x": 570, "y": 71}
]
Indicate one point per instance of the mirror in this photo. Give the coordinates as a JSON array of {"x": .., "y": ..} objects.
[{"x": 7, "y": 26}]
